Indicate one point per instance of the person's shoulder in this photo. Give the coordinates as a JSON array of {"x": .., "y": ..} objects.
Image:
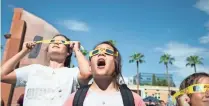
[
  {"x": 136, "y": 96},
  {"x": 72, "y": 95},
  {"x": 28, "y": 67},
  {"x": 69, "y": 101},
  {"x": 71, "y": 68},
  {"x": 138, "y": 100},
  {"x": 74, "y": 69},
  {"x": 36, "y": 65},
  {"x": 39, "y": 66},
  {"x": 73, "y": 72}
]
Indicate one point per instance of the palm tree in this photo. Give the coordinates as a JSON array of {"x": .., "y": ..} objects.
[
  {"x": 193, "y": 61},
  {"x": 138, "y": 58},
  {"x": 167, "y": 59},
  {"x": 112, "y": 41}
]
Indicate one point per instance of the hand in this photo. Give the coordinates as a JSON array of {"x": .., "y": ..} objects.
[
  {"x": 184, "y": 100},
  {"x": 28, "y": 46},
  {"x": 75, "y": 45}
]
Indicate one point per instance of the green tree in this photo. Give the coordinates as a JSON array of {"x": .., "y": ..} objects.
[
  {"x": 84, "y": 52},
  {"x": 161, "y": 83},
  {"x": 113, "y": 42},
  {"x": 154, "y": 82},
  {"x": 166, "y": 59},
  {"x": 139, "y": 59},
  {"x": 193, "y": 61},
  {"x": 164, "y": 82}
]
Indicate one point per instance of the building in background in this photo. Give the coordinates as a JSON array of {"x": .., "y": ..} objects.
[
  {"x": 154, "y": 85},
  {"x": 151, "y": 79},
  {"x": 159, "y": 92}
]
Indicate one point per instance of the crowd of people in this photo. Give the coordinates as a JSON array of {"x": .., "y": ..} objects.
[{"x": 56, "y": 84}]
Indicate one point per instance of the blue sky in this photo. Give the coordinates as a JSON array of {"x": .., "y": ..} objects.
[{"x": 151, "y": 27}]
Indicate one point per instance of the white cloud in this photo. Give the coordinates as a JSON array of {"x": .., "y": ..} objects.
[
  {"x": 180, "y": 52},
  {"x": 74, "y": 25},
  {"x": 203, "y": 5},
  {"x": 204, "y": 39}
]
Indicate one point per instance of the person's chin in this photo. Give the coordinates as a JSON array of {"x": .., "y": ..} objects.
[{"x": 101, "y": 74}]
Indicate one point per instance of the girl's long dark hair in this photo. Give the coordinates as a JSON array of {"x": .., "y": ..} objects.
[{"x": 67, "y": 62}]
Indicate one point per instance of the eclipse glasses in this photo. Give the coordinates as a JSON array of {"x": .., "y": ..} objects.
[
  {"x": 91, "y": 53},
  {"x": 102, "y": 51},
  {"x": 55, "y": 41},
  {"x": 196, "y": 88}
]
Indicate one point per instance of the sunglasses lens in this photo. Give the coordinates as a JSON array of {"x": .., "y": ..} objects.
[
  {"x": 197, "y": 88},
  {"x": 62, "y": 41},
  {"x": 108, "y": 51},
  {"x": 95, "y": 52},
  {"x": 52, "y": 41}
]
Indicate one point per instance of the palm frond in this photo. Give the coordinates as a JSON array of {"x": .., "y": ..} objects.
[
  {"x": 193, "y": 60},
  {"x": 166, "y": 58},
  {"x": 200, "y": 62},
  {"x": 170, "y": 62},
  {"x": 188, "y": 64},
  {"x": 131, "y": 61},
  {"x": 137, "y": 57},
  {"x": 141, "y": 61}
]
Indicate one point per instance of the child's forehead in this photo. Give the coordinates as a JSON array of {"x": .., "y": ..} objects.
[
  {"x": 203, "y": 80},
  {"x": 106, "y": 46}
]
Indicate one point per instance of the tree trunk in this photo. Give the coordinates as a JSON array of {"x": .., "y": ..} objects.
[
  {"x": 195, "y": 70},
  {"x": 137, "y": 75},
  {"x": 168, "y": 79}
]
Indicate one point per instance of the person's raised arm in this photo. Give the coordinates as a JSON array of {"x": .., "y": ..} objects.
[
  {"x": 83, "y": 64},
  {"x": 7, "y": 73}
]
